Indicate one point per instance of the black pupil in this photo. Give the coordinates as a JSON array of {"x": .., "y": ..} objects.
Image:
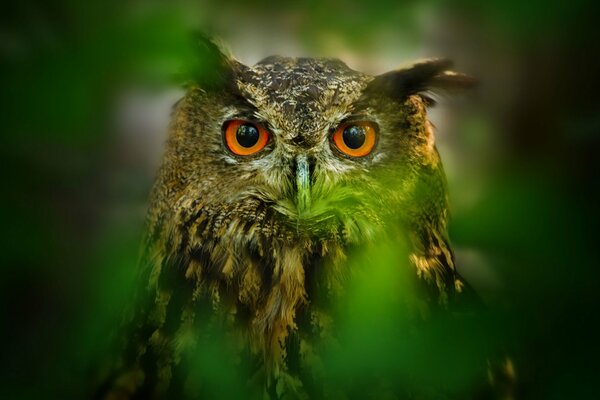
[
  {"x": 247, "y": 135},
  {"x": 354, "y": 136}
]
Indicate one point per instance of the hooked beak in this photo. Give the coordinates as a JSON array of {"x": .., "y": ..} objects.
[{"x": 302, "y": 184}]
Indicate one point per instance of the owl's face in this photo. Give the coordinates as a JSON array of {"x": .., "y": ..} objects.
[{"x": 323, "y": 148}]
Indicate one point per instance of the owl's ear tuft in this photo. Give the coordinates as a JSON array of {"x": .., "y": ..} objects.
[
  {"x": 211, "y": 67},
  {"x": 426, "y": 78}
]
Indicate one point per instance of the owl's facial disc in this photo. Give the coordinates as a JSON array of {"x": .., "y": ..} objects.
[{"x": 321, "y": 140}]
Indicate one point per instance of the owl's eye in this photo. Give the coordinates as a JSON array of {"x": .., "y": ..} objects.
[
  {"x": 356, "y": 138},
  {"x": 245, "y": 138}
]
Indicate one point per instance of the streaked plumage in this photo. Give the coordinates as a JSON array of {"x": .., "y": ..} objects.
[{"x": 230, "y": 242}]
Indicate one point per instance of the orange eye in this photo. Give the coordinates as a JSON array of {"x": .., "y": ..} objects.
[
  {"x": 356, "y": 138},
  {"x": 245, "y": 138}
]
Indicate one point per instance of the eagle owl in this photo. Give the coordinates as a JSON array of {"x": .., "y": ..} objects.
[{"x": 273, "y": 175}]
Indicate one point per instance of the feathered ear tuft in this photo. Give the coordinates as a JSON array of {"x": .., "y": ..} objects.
[
  {"x": 424, "y": 77},
  {"x": 210, "y": 66}
]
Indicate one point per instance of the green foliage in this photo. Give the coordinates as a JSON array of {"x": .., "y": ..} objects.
[{"x": 69, "y": 255}]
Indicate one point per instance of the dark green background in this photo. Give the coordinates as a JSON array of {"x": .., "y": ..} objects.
[{"x": 521, "y": 158}]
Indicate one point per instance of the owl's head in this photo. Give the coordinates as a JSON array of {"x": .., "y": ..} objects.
[{"x": 310, "y": 143}]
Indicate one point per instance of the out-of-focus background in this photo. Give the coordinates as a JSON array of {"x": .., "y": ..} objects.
[{"x": 86, "y": 89}]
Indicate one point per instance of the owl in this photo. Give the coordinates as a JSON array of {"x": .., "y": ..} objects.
[{"x": 274, "y": 175}]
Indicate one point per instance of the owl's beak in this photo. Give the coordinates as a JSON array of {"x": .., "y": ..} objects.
[{"x": 302, "y": 183}]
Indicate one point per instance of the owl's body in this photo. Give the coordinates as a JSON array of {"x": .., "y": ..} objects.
[{"x": 255, "y": 247}]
